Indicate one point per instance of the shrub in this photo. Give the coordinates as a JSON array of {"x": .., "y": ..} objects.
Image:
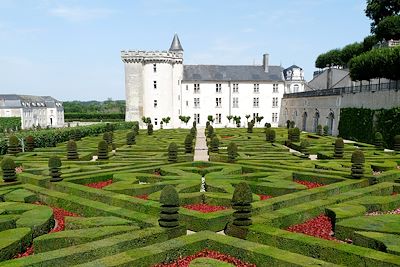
[
  {"x": 135, "y": 128},
  {"x": 13, "y": 145},
  {"x": 76, "y": 134},
  {"x": 397, "y": 143},
  {"x": 169, "y": 199},
  {"x": 357, "y": 168},
  {"x": 319, "y": 129},
  {"x": 326, "y": 130},
  {"x": 270, "y": 135},
  {"x": 130, "y": 138},
  {"x": 210, "y": 131},
  {"x": 378, "y": 141},
  {"x": 250, "y": 126},
  {"x": 149, "y": 129},
  {"x": 339, "y": 148},
  {"x": 54, "y": 169},
  {"x": 193, "y": 132},
  {"x": 72, "y": 151},
  {"x": 267, "y": 125},
  {"x": 102, "y": 150},
  {"x": 189, "y": 143},
  {"x": 232, "y": 152},
  {"x": 108, "y": 137},
  {"x": 288, "y": 124},
  {"x": 109, "y": 127},
  {"x": 295, "y": 135},
  {"x": 214, "y": 144},
  {"x": 241, "y": 203},
  {"x": 292, "y": 124},
  {"x": 194, "y": 124},
  {"x": 8, "y": 167},
  {"x": 304, "y": 144},
  {"x": 172, "y": 152},
  {"x": 207, "y": 124},
  {"x": 29, "y": 143}
]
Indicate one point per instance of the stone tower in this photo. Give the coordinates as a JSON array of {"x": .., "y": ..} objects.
[{"x": 152, "y": 83}]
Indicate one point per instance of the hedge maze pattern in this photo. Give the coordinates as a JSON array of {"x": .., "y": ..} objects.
[{"x": 112, "y": 206}]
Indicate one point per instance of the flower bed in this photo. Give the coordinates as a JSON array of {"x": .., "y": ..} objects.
[
  {"x": 145, "y": 197},
  {"x": 264, "y": 197},
  {"x": 320, "y": 226},
  {"x": 310, "y": 185},
  {"x": 100, "y": 185},
  {"x": 376, "y": 213},
  {"x": 185, "y": 262},
  {"x": 204, "y": 208},
  {"x": 226, "y": 136}
]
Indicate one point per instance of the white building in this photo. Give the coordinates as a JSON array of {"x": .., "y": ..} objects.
[
  {"x": 158, "y": 85},
  {"x": 33, "y": 110}
]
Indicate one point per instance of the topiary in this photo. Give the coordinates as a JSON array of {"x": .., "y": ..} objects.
[
  {"x": 8, "y": 167},
  {"x": 326, "y": 130},
  {"x": 13, "y": 145},
  {"x": 232, "y": 152},
  {"x": 241, "y": 203},
  {"x": 288, "y": 124},
  {"x": 135, "y": 128},
  {"x": 304, "y": 144},
  {"x": 207, "y": 124},
  {"x": 378, "y": 141},
  {"x": 210, "y": 131},
  {"x": 172, "y": 152},
  {"x": 108, "y": 137},
  {"x": 214, "y": 144},
  {"x": 194, "y": 124},
  {"x": 292, "y": 124},
  {"x": 29, "y": 143},
  {"x": 267, "y": 125},
  {"x": 357, "y": 168},
  {"x": 72, "y": 151},
  {"x": 109, "y": 127},
  {"x": 130, "y": 138},
  {"x": 188, "y": 144},
  {"x": 193, "y": 132},
  {"x": 295, "y": 135},
  {"x": 102, "y": 150},
  {"x": 339, "y": 148},
  {"x": 54, "y": 169},
  {"x": 250, "y": 126},
  {"x": 319, "y": 129},
  {"x": 169, "y": 199},
  {"x": 270, "y": 135},
  {"x": 149, "y": 129},
  {"x": 397, "y": 143}
]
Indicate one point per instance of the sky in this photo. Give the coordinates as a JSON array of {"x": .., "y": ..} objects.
[{"x": 70, "y": 49}]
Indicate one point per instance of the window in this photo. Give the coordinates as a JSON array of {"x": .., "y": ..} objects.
[
  {"x": 155, "y": 121},
  {"x": 196, "y": 102},
  {"x": 196, "y": 88},
  {"x": 256, "y": 88},
  {"x": 155, "y": 103},
  {"x": 274, "y": 102},
  {"x": 256, "y": 102},
  {"x": 235, "y": 88},
  {"x": 255, "y": 115},
  {"x": 295, "y": 88},
  {"x": 275, "y": 88},
  {"x": 187, "y": 87},
  {"x": 155, "y": 84},
  {"x": 218, "y": 118},
  {"x": 187, "y": 103},
  {"x": 197, "y": 118},
  {"x": 218, "y": 88},
  {"x": 274, "y": 117},
  {"x": 218, "y": 102},
  {"x": 154, "y": 67},
  {"x": 235, "y": 102}
]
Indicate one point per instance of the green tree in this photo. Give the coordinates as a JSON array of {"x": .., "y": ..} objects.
[
  {"x": 388, "y": 28},
  {"x": 377, "y": 10}
]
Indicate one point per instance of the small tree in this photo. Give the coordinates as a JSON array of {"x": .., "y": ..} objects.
[
  {"x": 304, "y": 144},
  {"x": 210, "y": 118},
  {"x": 319, "y": 129},
  {"x": 215, "y": 144},
  {"x": 241, "y": 203},
  {"x": 357, "y": 168},
  {"x": 288, "y": 124},
  {"x": 166, "y": 120},
  {"x": 146, "y": 120},
  {"x": 250, "y": 126},
  {"x": 229, "y": 117},
  {"x": 184, "y": 119},
  {"x": 13, "y": 145},
  {"x": 149, "y": 129},
  {"x": 72, "y": 150},
  {"x": 194, "y": 124},
  {"x": 172, "y": 152},
  {"x": 236, "y": 119},
  {"x": 8, "y": 167},
  {"x": 326, "y": 130},
  {"x": 30, "y": 143},
  {"x": 259, "y": 119},
  {"x": 378, "y": 141},
  {"x": 102, "y": 150},
  {"x": 339, "y": 148},
  {"x": 232, "y": 152},
  {"x": 169, "y": 199},
  {"x": 135, "y": 128},
  {"x": 210, "y": 131},
  {"x": 397, "y": 143},
  {"x": 54, "y": 169},
  {"x": 247, "y": 117},
  {"x": 189, "y": 144},
  {"x": 270, "y": 135},
  {"x": 267, "y": 125},
  {"x": 130, "y": 138}
]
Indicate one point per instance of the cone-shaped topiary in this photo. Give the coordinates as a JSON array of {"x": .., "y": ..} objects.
[
  {"x": 210, "y": 131},
  {"x": 194, "y": 124},
  {"x": 215, "y": 144},
  {"x": 304, "y": 144},
  {"x": 270, "y": 135},
  {"x": 193, "y": 132},
  {"x": 149, "y": 129},
  {"x": 188, "y": 144},
  {"x": 72, "y": 150},
  {"x": 29, "y": 143},
  {"x": 8, "y": 167},
  {"x": 295, "y": 135},
  {"x": 54, "y": 169},
  {"x": 102, "y": 150},
  {"x": 378, "y": 141},
  {"x": 241, "y": 203},
  {"x": 130, "y": 138},
  {"x": 250, "y": 126},
  {"x": 13, "y": 145},
  {"x": 135, "y": 128},
  {"x": 319, "y": 129},
  {"x": 232, "y": 152},
  {"x": 326, "y": 130},
  {"x": 339, "y": 148},
  {"x": 397, "y": 143},
  {"x": 169, "y": 199},
  {"x": 357, "y": 168},
  {"x": 172, "y": 152}
]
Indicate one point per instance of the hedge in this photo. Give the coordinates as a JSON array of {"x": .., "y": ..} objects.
[
  {"x": 94, "y": 116},
  {"x": 10, "y": 123}
]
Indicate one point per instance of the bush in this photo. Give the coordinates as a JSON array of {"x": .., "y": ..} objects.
[
  {"x": 194, "y": 124},
  {"x": 215, "y": 144},
  {"x": 102, "y": 150},
  {"x": 193, "y": 132},
  {"x": 304, "y": 144},
  {"x": 169, "y": 199},
  {"x": 241, "y": 203},
  {"x": 232, "y": 152},
  {"x": 130, "y": 138},
  {"x": 396, "y": 141},
  {"x": 295, "y": 135},
  {"x": 149, "y": 129},
  {"x": 339, "y": 148},
  {"x": 189, "y": 143},
  {"x": 378, "y": 141},
  {"x": 267, "y": 125},
  {"x": 8, "y": 167},
  {"x": 357, "y": 168},
  {"x": 29, "y": 143},
  {"x": 250, "y": 126},
  {"x": 270, "y": 135},
  {"x": 72, "y": 151},
  {"x": 210, "y": 131},
  {"x": 135, "y": 128},
  {"x": 13, "y": 145},
  {"x": 54, "y": 168},
  {"x": 326, "y": 130},
  {"x": 288, "y": 124},
  {"x": 172, "y": 152},
  {"x": 319, "y": 129}
]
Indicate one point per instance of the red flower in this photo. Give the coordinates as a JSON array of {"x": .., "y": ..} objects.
[
  {"x": 320, "y": 226},
  {"x": 145, "y": 197},
  {"x": 204, "y": 208},
  {"x": 100, "y": 185},
  {"x": 264, "y": 197},
  {"x": 310, "y": 185}
]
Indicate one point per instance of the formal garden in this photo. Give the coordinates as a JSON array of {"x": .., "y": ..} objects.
[{"x": 114, "y": 195}]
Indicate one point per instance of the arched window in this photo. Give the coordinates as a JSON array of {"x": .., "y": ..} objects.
[{"x": 295, "y": 88}]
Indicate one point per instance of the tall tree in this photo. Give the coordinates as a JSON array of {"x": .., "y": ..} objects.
[{"x": 377, "y": 10}]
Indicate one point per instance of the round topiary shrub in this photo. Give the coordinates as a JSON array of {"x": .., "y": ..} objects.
[
  {"x": 72, "y": 150},
  {"x": 319, "y": 129},
  {"x": 188, "y": 144},
  {"x": 169, "y": 199},
  {"x": 130, "y": 138},
  {"x": 304, "y": 145},
  {"x": 149, "y": 129},
  {"x": 270, "y": 135},
  {"x": 378, "y": 141},
  {"x": 250, "y": 126},
  {"x": 172, "y": 152},
  {"x": 267, "y": 125},
  {"x": 241, "y": 203},
  {"x": 13, "y": 145},
  {"x": 29, "y": 143},
  {"x": 232, "y": 152},
  {"x": 339, "y": 148},
  {"x": 54, "y": 169},
  {"x": 8, "y": 167},
  {"x": 357, "y": 168},
  {"x": 215, "y": 144},
  {"x": 295, "y": 135},
  {"x": 397, "y": 143},
  {"x": 102, "y": 150}
]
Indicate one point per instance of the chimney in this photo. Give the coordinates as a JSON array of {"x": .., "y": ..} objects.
[{"x": 265, "y": 62}]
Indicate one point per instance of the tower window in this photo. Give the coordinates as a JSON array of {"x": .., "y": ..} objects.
[
  {"x": 155, "y": 84},
  {"x": 256, "y": 88},
  {"x": 218, "y": 102},
  {"x": 155, "y": 103},
  {"x": 154, "y": 67},
  {"x": 236, "y": 88},
  {"x": 275, "y": 88},
  {"x": 218, "y": 88},
  {"x": 256, "y": 102}
]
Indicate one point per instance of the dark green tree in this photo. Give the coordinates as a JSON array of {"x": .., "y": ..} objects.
[
  {"x": 149, "y": 129},
  {"x": 169, "y": 199},
  {"x": 8, "y": 168},
  {"x": 339, "y": 148},
  {"x": 102, "y": 150},
  {"x": 130, "y": 138},
  {"x": 357, "y": 167},
  {"x": 319, "y": 129},
  {"x": 72, "y": 150},
  {"x": 326, "y": 130},
  {"x": 189, "y": 144},
  {"x": 29, "y": 143},
  {"x": 54, "y": 169},
  {"x": 14, "y": 146},
  {"x": 377, "y": 10},
  {"x": 397, "y": 143},
  {"x": 250, "y": 126},
  {"x": 215, "y": 144},
  {"x": 295, "y": 135},
  {"x": 232, "y": 152},
  {"x": 172, "y": 152},
  {"x": 304, "y": 147}
]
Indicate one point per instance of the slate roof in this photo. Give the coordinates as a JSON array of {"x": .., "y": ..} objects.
[
  {"x": 16, "y": 101},
  {"x": 176, "y": 44},
  {"x": 231, "y": 73}
]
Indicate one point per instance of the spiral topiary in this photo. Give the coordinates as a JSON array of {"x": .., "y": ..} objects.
[
  {"x": 210, "y": 131},
  {"x": 378, "y": 141},
  {"x": 339, "y": 148},
  {"x": 8, "y": 167},
  {"x": 172, "y": 152},
  {"x": 270, "y": 135},
  {"x": 169, "y": 199},
  {"x": 149, "y": 129},
  {"x": 54, "y": 169},
  {"x": 188, "y": 144},
  {"x": 72, "y": 151},
  {"x": 326, "y": 130},
  {"x": 319, "y": 129},
  {"x": 215, "y": 144},
  {"x": 29, "y": 143},
  {"x": 304, "y": 144},
  {"x": 102, "y": 150},
  {"x": 130, "y": 138},
  {"x": 357, "y": 168},
  {"x": 241, "y": 203},
  {"x": 13, "y": 145},
  {"x": 397, "y": 143},
  {"x": 295, "y": 135},
  {"x": 232, "y": 152}
]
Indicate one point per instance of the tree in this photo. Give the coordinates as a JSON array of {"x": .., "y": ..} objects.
[
  {"x": 229, "y": 117},
  {"x": 339, "y": 148},
  {"x": 369, "y": 42},
  {"x": 377, "y": 10},
  {"x": 54, "y": 169},
  {"x": 357, "y": 167},
  {"x": 388, "y": 28},
  {"x": 329, "y": 59},
  {"x": 102, "y": 150},
  {"x": 146, "y": 120},
  {"x": 236, "y": 119},
  {"x": 247, "y": 117},
  {"x": 72, "y": 150},
  {"x": 350, "y": 51},
  {"x": 241, "y": 203},
  {"x": 210, "y": 118},
  {"x": 232, "y": 152},
  {"x": 172, "y": 152},
  {"x": 166, "y": 120},
  {"x": 169, "y": 200},
  {"x": 188, "y": 143},
  {"x": 259, "y": 118},
  {"x": 184, "y": 119}
]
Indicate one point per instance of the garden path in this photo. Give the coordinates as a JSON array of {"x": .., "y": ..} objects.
[{"x": 201, "y": 149}]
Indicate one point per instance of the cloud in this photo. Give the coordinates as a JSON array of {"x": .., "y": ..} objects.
[{"x": 78, "y": 14}]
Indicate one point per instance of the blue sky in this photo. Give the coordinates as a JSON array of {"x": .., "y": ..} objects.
[{"x": 70, "y": 49}]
